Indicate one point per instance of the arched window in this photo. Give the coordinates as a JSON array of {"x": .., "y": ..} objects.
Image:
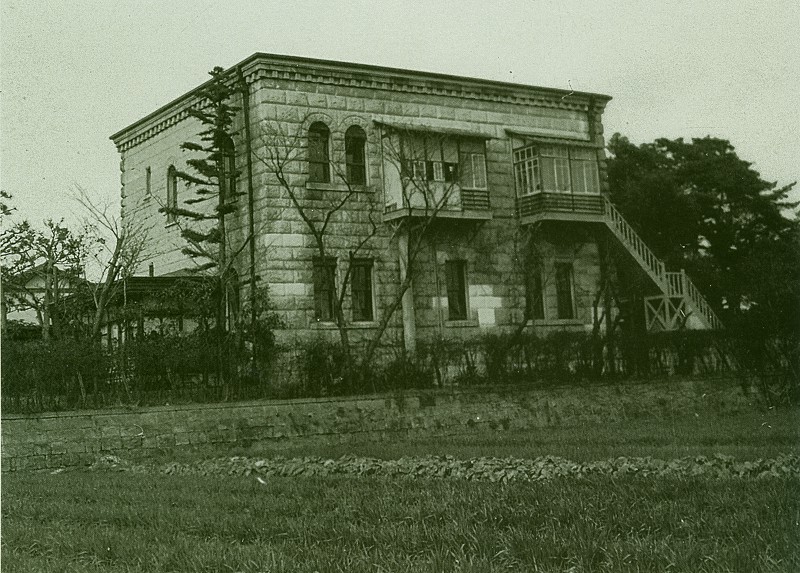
[
  {"x": 229, "y": 167},
  {"x": 318, "y": 153},
  {"x": 355, "y": 141},
  {"x": 172, "y": 193}
]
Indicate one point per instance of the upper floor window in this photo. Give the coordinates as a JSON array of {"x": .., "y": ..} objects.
[
  {"x": 228, "y": 176},
  {"x": 472, "y": 155},
  {"x": 319, "y": 153},
  {"x": 147, "y": 178},
  {"x": 448, "y": 159},
  {"x": 556, "y": 169},
  {"x": 172, "y": 193},
  {"x": 355, "y": 141}
]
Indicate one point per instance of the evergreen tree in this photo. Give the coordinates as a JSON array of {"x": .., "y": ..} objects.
[{"x": 213, "y": 174}]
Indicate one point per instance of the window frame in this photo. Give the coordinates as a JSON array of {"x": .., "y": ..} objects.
[
  {"x": 456, "y": 270},
  {"x": 229, "y": 175},
  {"x": 534, "y": 295},
  {"x": 172, "y": 193},
  {"x": 355, "y": 153},
  {"x": 365, "y": 311},
  {"x": 318, "y": 157},
  {"x": 563, "y": 298},
  {"x": 535, "y": 164},
  {"x": 324, "y": 288}
]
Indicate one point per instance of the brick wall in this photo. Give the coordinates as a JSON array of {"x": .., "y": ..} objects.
[{"x": 77, "y": 438}]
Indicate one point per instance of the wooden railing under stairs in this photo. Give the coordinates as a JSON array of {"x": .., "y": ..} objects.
[{"x": 672, "y": 284}]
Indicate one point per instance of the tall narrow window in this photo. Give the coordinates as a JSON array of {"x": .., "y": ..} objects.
[
  {"x": 147, "y": 179},
  {"x": 555, "y": 169},
  {"x": 318, "y": 153},
  {"x": 324, "y": 288},
  {"x": 583, "y": 169},
  {"x": 355, "y": 141},
  {"x": 456, "y": 277},
  {"x": 534, "y": 295},
  {"x": 361, "y": 289},
  {"x": 473, "y": 164},
  {"x": 564, "y": 291},
  {"x": 172, "y": 193},
  {"x": 229, "y": 168},
  {"x": 526, "y": 167}
]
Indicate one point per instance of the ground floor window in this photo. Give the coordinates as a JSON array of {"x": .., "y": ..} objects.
[
  {"x": 361, "y": 289},
  {"x": 564, "y": 290},
  {"x": 534, "y": 295},
  {"x": 324, "y": 288},
  {"x": 456, "y": 278}
]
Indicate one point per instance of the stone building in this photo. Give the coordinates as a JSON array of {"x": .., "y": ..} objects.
[{"x": 497, "y": 189}]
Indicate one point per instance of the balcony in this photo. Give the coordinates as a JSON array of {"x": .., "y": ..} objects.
[
  {"x": 561, "y": 207},
  {"x": 469, "y": 204}
]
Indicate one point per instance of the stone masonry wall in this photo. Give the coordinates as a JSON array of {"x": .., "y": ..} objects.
[
  {"x": 285, "y": 248},
  {"x": 77, "y": 438}
]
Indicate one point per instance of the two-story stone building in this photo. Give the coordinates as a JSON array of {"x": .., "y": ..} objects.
[{"x": 504, "y": 183}]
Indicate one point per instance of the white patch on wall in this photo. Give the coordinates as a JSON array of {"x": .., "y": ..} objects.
[
  {"x": 289, "y": 289},
  {"x": 491, "y": 302},
  {"x": 480, "y": 290},
  {"x": 283, "y": 240},
  {"x": 486, "y": 317}
]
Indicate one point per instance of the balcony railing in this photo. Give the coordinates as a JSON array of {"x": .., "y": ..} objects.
[
  {"x": 462, "y": 204},
  {"x": 541, "y": 203}
]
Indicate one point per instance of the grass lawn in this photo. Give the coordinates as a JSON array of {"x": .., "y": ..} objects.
[
  {"x": 120, "y": 521},
  {"x": 98, "y": 521}
]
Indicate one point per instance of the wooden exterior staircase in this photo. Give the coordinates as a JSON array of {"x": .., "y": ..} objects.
[{"x": 681, "y": 305}]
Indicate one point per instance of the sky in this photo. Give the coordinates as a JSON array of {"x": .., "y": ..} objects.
[{"x": 73, "y": 72}]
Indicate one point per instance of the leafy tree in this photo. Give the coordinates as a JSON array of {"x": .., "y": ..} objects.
[
  {"x": 701, "y": 207},
  {"x": 39, "y": 267}
]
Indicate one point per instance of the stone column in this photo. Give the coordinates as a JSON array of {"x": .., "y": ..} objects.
[{"x": 409, "y": 316}]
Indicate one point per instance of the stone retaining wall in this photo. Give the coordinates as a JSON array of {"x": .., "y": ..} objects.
[{"x": 77, "y": 438}]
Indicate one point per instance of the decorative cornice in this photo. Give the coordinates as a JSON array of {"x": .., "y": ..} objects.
[{"x": 305, "y": 70}]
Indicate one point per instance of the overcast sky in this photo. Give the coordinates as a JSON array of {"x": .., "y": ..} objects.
[{"x": 74, "y": 72}]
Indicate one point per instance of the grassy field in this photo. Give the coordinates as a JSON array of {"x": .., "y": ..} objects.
[
  {"x": 152, "y": 523},
  {"x": 120, "y": 521}
]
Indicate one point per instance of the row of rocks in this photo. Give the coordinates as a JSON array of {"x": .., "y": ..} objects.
[{"x": 480, "y": 469}]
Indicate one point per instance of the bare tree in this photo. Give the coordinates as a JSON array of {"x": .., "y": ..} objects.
[
  {"x": 421, "y": 183},
  {"x": 420, "y": 189},
  {"x": 281, "y": 156},
  {"x": 119, "y": 247}
]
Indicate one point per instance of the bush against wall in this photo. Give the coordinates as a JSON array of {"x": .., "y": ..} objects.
[{"x": 164, "y": 368}]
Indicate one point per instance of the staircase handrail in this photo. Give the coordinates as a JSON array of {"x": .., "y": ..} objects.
[
  {"x": 627, "y": 233},
  {"x": 672, "y": 284}
]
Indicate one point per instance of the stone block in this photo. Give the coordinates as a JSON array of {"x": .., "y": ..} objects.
[
  {"x": 110, "y": 444},
  {"x": 165, "y": 441},
  {"x": 58, "y": 448},
  {"x": 132, "y": 442}
]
